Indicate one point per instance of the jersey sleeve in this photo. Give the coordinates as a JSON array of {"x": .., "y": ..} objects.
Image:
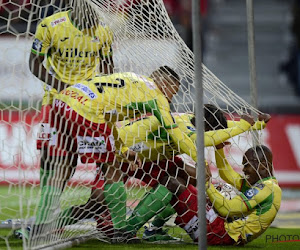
[
  {"x": 215, "y": 137},
  {"x": 226, "y": 172},
  {"x": 240, "y": 204},
  {"x": 42, "y": 39},
  {"x": 258, "y": 125}
]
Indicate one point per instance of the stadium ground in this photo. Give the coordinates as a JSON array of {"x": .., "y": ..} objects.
[
  {"x": 286, "y": 234},
  {"x": 273, "y": 238}
]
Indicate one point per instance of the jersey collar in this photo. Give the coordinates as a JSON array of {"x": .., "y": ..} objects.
[{"x": 69, "y": 16}]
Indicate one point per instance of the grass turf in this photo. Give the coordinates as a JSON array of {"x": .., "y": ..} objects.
[
  {"x": 273, "y": 238},
  {"x": 266, "y": 241}
]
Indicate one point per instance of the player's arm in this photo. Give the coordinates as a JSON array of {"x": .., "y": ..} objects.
[
  {"x": 36, "y": 67},
  {"x": 260, "y": 124},
  {"x": 106, "y": 64},
  {"x": 226, "y": 171},
  {"x": 39, "y": 50},
  {"x": 215, "y": 137},
  {"x": 240, "y": 204},
  {"x": 122, "y": 151},
  {"x": 185, "y": 144},
  {"x": 106, "y": 55}
]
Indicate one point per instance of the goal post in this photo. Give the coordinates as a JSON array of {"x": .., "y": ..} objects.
[{"x": 144, "y": 39}]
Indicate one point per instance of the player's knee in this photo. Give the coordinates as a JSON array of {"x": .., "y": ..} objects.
[
  {"x": 171, "y": 184},
  {"x": 97, "y": 196},
  {"x": 96, "y": 202}
]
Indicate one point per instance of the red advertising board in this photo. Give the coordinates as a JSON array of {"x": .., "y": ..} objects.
[{"x": 19, "y": 159}]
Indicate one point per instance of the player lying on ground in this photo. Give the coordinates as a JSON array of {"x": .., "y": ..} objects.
[
  {"x": 157, "y": 197},
  {"x": 244, "y": 217},
  {"x": 57, "y": 62}
]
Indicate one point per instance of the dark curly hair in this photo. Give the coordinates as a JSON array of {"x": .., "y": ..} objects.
[{"x": 213, "y": 118}]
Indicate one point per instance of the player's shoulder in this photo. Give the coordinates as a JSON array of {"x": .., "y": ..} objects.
[
  {"x": 270, "y": 183},
  {"x": 56, "y": 19},
  {"x": 263, "y": 187},
  {"x": 183, "y": 117},
  {"x": 103, "y": 27},
  {"x": 140, "y": 81}
]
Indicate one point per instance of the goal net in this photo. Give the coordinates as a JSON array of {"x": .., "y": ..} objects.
[{"x": 144, "y": 39}]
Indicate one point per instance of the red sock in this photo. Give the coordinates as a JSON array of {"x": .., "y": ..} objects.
[
  {"x": 187, "y": 210},
  {"x": 186, "y": 206}
]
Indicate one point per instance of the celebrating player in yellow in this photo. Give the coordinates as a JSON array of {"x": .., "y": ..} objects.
[{"x": 68, "y": 47}]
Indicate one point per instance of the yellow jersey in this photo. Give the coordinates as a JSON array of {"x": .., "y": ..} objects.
[
  {"x": 121, "y": 96},
  {"x": 71, "y": 54},
  {"x": 251, "y": 212}
]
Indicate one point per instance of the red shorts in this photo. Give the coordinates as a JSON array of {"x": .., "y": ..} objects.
[
  {"x": 152, "y": 173},
  {"x": 216, "y": 233},
  {"x": 186, "y": 207},
  {"x": 71, "y": 133}
]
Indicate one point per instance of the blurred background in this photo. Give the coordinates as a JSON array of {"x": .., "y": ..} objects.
[{"x": 225, "y": 53}]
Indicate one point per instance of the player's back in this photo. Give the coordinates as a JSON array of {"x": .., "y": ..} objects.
[
  {"x": 116, "y": 96},
  {"x": 267, "y": 194},
  {"x": 72, "y": 54}
]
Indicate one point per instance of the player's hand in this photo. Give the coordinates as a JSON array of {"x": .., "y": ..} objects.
[
  {"x": 208, "y": 173},
  {"x": 248, "y": 118},
  {"x": 134, "y": 160},
  {"x": 223, "y": 144},
  {"x": 264, "y": 117}
]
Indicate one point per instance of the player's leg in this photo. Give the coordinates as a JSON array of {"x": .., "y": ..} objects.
[
  {"x": 94, "y": 206},
  {"x": 176, "y": 168},
  {"x": 157, "y": 198},
  {"x": 102, "y": 215},
  {"x": 115, "y": 198},
  {"x": 55, "y": 170},
  {"x": 151, "y": 204},
  {"x": 187, "y": 209},
  {"x": 115, "y": 194},
  {"x": 57, "y": 159}
]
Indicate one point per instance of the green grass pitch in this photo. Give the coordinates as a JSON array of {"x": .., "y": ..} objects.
[{"x": 273, "y": 238}]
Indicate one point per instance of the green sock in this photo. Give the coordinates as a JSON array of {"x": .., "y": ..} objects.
[
  {"x": 115, "y": 198},
  {"x": 163, "y": 216},
  {"x": 48, "y": 203},
  {"x": 148, "y": 207},
  {"x": 44, "y": 176}
]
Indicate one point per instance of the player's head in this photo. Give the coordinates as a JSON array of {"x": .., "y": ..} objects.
[
  {"x": 258, "y": 163},
  {"x": 213, "y": 118},
  {"x": 167, "y": 81},
  {"x": 83, "y": 14}
]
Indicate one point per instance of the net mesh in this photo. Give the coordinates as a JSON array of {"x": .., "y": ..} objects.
[{"x": 73, "y": 205}]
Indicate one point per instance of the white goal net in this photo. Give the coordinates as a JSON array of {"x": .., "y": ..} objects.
[{"x": 78, "y": 40}]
